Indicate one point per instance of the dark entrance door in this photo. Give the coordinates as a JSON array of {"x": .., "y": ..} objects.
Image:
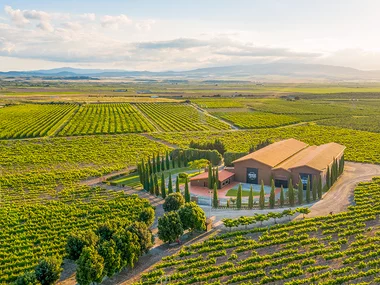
[
  {"x": 304, "y": 177},
  {"x": 252, "y": 175},
  {"x": 279, "y": 182}
]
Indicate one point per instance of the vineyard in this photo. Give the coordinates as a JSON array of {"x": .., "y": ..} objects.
[
  {"x": 364, "y": 123},
  {"x": 180, "y": 117},
  {"x": 106, "y": 119},
  {"x": 342, "y": 248},
  {"x": 31, "y": 230},
  {"x": 256, "y": 120},
  {"x": 361, "y": 146},
  {"x": 32, "y": 120}
]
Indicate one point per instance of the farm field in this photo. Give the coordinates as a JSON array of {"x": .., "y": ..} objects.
[
  {"x": 180, "y": 117},
  {"x": 28, "y": 121},
  {"x": 106, "y": 119},
  {"x": 32, "y": 230},
  {"x": 335, "y": 249},
  {"x": 369, "y": 123},
  {"x": 361, "y": 146}
]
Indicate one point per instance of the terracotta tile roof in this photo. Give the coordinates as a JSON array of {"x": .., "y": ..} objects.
[
  {"x": 223, "y": 175},
  {"x": 319, "y": 157},
  {"x": 275, "y": 153}
]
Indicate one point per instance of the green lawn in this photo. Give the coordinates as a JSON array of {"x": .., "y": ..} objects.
[
  {"x": 233, "y": 193},
  {"x": 132, "y": 180}
]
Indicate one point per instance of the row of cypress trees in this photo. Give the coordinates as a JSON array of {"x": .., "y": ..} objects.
[
  {"x": 213, "y": 177},
  {"x": 334, "y": 171}
]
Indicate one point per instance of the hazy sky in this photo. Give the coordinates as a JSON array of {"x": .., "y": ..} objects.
[{"x": 183, "y": 34}]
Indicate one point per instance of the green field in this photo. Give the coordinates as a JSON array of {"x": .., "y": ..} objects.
[{"x": 245, "y": 193}]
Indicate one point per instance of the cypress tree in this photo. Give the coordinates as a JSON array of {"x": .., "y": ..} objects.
[
  {"x": 146, "y": 180},
  {"x": 179, "y": 160},
  {"x": 328, "y": 178},
  {"x": 156, "y": 186},
  {"x": 308, "y": 190},
  {"x": 282, "y": 197},
  {"x": 170, "y": 184},
  {"x": 217, "y": 177},
  {"x": 150, "y": 165},
  {"x": 154, "y": 167},
  {"x": 250, "y": 198},
  {"x": 262, "y": 196},
  {"x": 177, "y": 185},
  {"x": 210, "y": 185},
  {"x": 342, "y": 162},
  {"x": 185, "y": 160},
  {"x": 300, "y": 191},
  {"x": 173, "y": 161},
  {"x": 162, "y": 164},
  {"x": 151, "y": 184},
  {"x": 158, "y": 163},
  {"x": 319, "y": 188},
  {"x": 336, "y": 170},
  {"x": 215, "y": 203},
  {"x": 163, "y": 190},
  {"x": 187, "y": 192},
  {"x": 272, "y": 196},
  {"x": 167, "y": 162},
  {"x": 238, "y": 196},
  {"x": 291, "y": 193},
  {"x": 315, "y": 189}
]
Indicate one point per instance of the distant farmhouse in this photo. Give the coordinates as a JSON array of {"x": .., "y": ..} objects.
[{"x": 280, "y": 161}]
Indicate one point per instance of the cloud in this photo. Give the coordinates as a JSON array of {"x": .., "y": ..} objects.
[
  {"x": 145, "y": 25},
  {"x": 181, "y": 43},
  {"x": 17, "y": 16},
  {"x": 23, "y": 17},
  {"x": 88, "y": 16},
  {"x": 264, "y": 52},
  {"x": 114, "y": 22}
]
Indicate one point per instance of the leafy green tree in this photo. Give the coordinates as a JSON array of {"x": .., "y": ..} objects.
[
  {"x": 239, "y": 197},
  {"x": 215, "y": 202},
  {"x": 156, "y": 187},
  {"x": 319, "y": 187},
  {"x": 145, "y": 237},
  {"x": 170, "y": 184},
  {"x": 187, "y": 191},
  {"x": 28, "y": 278},
  {"x": 210, "y": 177},
  {"x": 262, "y": 196},
  {"x": 147, "y": 216},
  {"x": 127, "y": 244},
  {"x": 104, "y": 232},
  {"x": 163, "y": 189},
  {"x": 250, "y": 198},
  {"x": 111, "y": 257},
  {"x": 77, "y": 241},
  {"x": 90, "y": 267},
  {"x": 169, "y": 227},
  {"x": 282, "y": 197},
  {"x": 48, "y": 270},
  {"x": 291, "y": 193},
  {"x": 314, "y": 189},
  {"x": 308, "y": 190},
  {"x": 272, "y": 195},
  {"x": 173, "y": 202},
  {"x": 192, "y": 217},
  {"x": 177, "y": 189},
  {"x": 300, "y": 191},
  {"x": 303, "y": 211},
  {"x": 199, "y": 164}
]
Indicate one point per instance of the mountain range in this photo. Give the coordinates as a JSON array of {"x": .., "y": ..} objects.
[{"x": 287, "y": 70}]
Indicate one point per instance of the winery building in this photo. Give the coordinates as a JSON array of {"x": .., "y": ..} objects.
[{"x": 287, "y": 159}]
